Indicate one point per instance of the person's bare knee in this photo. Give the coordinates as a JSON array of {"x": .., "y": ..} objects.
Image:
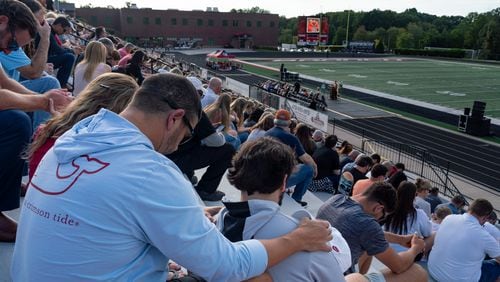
[
  {"x": 415, "y": 273},
  {"x": 356, "y": 277}
]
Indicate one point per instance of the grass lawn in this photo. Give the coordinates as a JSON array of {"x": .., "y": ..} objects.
[{"x": 451, "y": 84}]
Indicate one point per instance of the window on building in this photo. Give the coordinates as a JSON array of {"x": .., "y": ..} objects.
[
  {"x": 145, "y": 20},
  {"x": 271, "y": 24},
  {"x": 224, "y": 22},
  {"x": 108, "y": 21},
  {"x": 210, "y": 22},
  {"x": 185, "y": 21},
  {"x": 93, "y": 20},
  {"x": 199, "y": 22},
  {"x": 158, "y": 21},
  {"x": 259, "y": 24},
  {"x": 249, "y": 23},
  {"x": 235, "y": 22},
  {"x": 173, "y": 21}
]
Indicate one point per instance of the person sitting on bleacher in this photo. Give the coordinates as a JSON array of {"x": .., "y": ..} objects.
[
  {"x": 456, "y": 204},
  {"x": 92, "y": 65},
  {"x": 62, "y": 58},
  {"x": 349, "y": 177},
  {"x": 357, "y": 219},
  {"x": 378, "y": 173},
  {"x": 259, "y": 130},
  {"x": 109, "y": 206},
  {"x": 30, "y": 72},
  {"x": 461, "y": 245},
  {"x": 303, "y": 173},
  {"x": 207, "y": 148},
  {"x": 213, "y": 91},
  {"x": 433, "y": 198},
  {"x": 423, "y": 188},
  {"x": 258, "y": 215},
  {"x": 399, "y": 176},
  {"x": 327, "y": 160},
  {"x": 406, "y": 219}
]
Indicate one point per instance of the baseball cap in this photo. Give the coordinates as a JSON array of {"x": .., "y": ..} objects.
[
  {"x": 318, "y": 135},
  {"x": 283, "y": 115}
]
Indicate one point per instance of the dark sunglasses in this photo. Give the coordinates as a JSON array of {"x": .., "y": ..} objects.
[{"x": 185, "y": 120}]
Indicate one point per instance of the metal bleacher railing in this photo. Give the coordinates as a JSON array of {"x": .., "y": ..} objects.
[{"x": 418, "y": 161}]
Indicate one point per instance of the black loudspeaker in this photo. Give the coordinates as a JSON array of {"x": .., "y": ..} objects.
[
  {"x": 466, "y": 111},
  {"x": 462, "y": 122},
  {"x": 478, "y": 127},
  {"x": 478, "y": 109}
]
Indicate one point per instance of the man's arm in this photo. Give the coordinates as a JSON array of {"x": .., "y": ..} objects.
[
  {"x": 39, "y": 59},
  {"x": 403, "y": 240},
  {"x": 307, "y": 159},
  {"x": 11, "y": 100},
  {"x": 400, "y": 262},
  {"x": 12, "y": 85}
]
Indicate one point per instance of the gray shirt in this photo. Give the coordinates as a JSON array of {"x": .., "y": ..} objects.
[
  {"x": 361, "y": 231},
  {"x": 260, "y": 219}
]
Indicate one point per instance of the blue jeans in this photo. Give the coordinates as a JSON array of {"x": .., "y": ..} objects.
[
  {"x": 490, "y": 270},
  {"x": 301, "y": 179},
  {"x": 15, "y": 133},
  {"x": 41, "y": 85},
  {"x": 64, "y": 64}
]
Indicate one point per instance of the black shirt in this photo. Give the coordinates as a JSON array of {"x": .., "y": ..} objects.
[
  {"x": 203, "y": 129},
  {"x": 327, "y": 161}
]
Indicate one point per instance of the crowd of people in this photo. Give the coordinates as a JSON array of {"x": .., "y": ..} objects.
[{"x": 112, "y": 193}]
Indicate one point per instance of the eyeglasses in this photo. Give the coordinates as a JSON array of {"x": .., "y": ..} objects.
[{"x": 185, "y": 120}]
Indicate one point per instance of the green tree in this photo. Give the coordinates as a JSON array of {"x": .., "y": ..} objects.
[
  {"x": 339, "y": 36},
  {"x": 405, "y": 40}
]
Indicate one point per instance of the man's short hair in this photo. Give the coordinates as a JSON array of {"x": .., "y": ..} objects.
[
  {"x": 261, "y": 165},
  {"x": 364, "y": 161},
  {"x": 163, "y": 92},
  {"x": 458, "y": 200},
  {"x": 63, "y": 21},
  {"x": 442, "y": 212},
  {"x": 378, "y": 170},
  {"x": 400, "y": 166},
  {"x": 383, "y": 193},
  {"x": 34, "y": 5},
  {"x": 376, "y": 158},
  {"x": 331, "y": 141},
  {"x": 20, "y": 16},
  {"x": 481, "y": 207}
]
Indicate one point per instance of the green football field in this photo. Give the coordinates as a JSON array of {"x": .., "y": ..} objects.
[{"x": 451, "y": 84}]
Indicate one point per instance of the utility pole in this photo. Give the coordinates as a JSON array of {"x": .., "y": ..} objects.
[{"x": 347, "y": 32}]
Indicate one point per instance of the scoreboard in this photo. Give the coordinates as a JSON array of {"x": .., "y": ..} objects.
[{"x": 312, "y": 31}]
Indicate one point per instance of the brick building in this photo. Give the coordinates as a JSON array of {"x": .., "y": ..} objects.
[{"x": 172, "y": 27}]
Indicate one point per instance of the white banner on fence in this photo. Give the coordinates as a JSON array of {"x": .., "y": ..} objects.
[
  {"x": 305, "y": 115},
  {"x": 238, "y": 87}
]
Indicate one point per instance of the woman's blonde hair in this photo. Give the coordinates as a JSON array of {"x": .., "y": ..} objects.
[
  {"x": 423, "y": 184},
  {"x": 112, "y": 91},
  {"x": 95, "y": 54},
  {"x": 266, "y": 122},
  {"x": 238, "y": 106},
  {"x": 220, "y": 109}
]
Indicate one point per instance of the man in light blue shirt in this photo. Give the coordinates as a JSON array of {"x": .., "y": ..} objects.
[
  {"x": 212, "y": 93},
  {"x": 106, "y": 205}
]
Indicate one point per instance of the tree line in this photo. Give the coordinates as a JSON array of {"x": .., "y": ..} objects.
[{"x": 410, "y": 29}]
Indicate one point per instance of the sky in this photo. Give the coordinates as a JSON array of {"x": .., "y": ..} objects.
[{"x": 293, "y": 8}]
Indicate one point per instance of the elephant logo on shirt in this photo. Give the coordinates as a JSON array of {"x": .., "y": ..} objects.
[{"x": 69, "y": 173}]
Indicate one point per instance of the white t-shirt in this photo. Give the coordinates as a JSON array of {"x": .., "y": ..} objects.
[
  {"x": 492, "y": 230},
  {"x": 80, "y": 83},
  {"x": 459, "y": 249}
]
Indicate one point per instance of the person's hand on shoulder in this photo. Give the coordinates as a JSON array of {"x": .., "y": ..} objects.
[{"x": 312, "y": 235}]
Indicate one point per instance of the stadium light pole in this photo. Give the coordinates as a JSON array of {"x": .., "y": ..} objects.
[{"x": 347, "y": 29}]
